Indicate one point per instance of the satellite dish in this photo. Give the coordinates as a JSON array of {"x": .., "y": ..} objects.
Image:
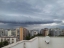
[{"x": 47, "y": 39}]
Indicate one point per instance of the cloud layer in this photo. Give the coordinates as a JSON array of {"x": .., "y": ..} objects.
[{"x": 28, "y": 13}]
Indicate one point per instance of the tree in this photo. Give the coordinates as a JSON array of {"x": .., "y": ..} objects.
[
  {"x": 5, "y": 43},
  {"x": 2, "y": 44},
  {"x": 28, "y": 37}
]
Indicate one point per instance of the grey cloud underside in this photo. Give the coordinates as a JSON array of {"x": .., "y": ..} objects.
[
  {"x": 30, "y": 12},
  {"x": 18, "y": 7},
  {"x": 19, "y": 23}
]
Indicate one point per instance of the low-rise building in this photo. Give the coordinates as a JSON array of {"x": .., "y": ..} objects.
[{"x": 9, "y": 39}]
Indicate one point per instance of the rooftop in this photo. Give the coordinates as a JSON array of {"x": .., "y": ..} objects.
[{"x": 39, "y": 42}]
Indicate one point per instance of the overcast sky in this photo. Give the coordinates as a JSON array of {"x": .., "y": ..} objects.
[{"x": 31, "y": 13}]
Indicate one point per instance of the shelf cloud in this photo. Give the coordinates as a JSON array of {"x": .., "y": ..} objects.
[{"x": 33, "y": 13}]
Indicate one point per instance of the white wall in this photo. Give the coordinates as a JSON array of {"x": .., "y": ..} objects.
[
  {"x": 56, "y": 42},
  {"x": 20, "y": 45},
  {"x": 14, "y": 40},
  {"x": 32, "y": 43},
  {"x": 39, "y": 42}
]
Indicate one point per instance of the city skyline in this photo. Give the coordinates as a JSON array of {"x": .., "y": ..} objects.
[{"x": 31, "y": 13}]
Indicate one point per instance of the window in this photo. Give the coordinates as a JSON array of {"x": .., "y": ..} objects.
[
  {"x": 12, "y": 40},
  {"x": 5, "y": 39}
]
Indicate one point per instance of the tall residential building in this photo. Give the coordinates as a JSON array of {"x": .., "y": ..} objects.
[
  {"x": 13, "y": 32},
  {"x": 46, "y": 31},
  {"x": 10, "y": 32},
  {"x": 34, "y": 32},
  {"x": 51, "y": 32},
  {"x": 42, "y": 32},
  {"x": 2, "y": 32},
  {"x": 21, "y": 33},
  {"x": 62, "y": 32},
  {"x": 57, "y": 31}
]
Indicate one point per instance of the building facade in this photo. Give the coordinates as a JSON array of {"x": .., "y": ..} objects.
[
  {"x": 10, "y": 32},
  {"x": 34, "y": 32},
  {"x": 2, "y": 32},
  {"x": 9, "y": 39},
  {"x": 21, "y": 33},
  {"x": 46, "y": 30},
  {"x": 62, "y": 33}
]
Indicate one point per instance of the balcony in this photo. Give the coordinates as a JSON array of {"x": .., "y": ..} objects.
[{"x": 39, "y": 42}]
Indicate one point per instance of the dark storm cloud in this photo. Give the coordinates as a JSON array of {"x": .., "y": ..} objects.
[
  {"x": 18, "y": 7},
  {"x": 18, "y": 23},
  {"x": 26, "y": 12}
]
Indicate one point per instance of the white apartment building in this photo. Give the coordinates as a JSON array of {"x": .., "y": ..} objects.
[
  {"x": 9, "y": 39},
  {"x": 62, "y": 33},
  {"x": 7, "y": 32},
  {"x": 13, "y": 32},
  {"x": 57, "y": 32},
  {"x": 10, "y": 32}
]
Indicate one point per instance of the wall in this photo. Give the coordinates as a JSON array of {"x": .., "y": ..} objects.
[
  {"x": 19, "y": 44},
  {"x": 32, "y": 43},
  {"x": 56, "y": 42},
  {"x": 39, "y": 42}
]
